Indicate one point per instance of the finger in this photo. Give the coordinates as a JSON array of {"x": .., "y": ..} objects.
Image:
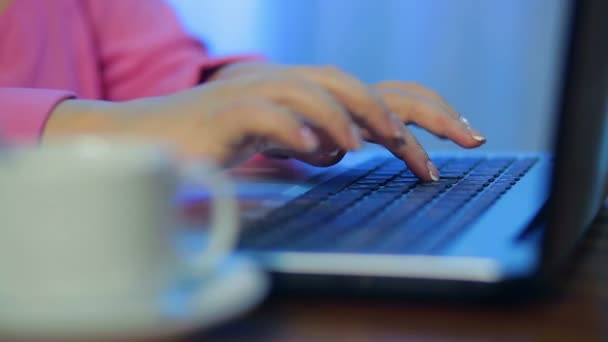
[
  {"x": 367, "y": 109},
  {"x": 428, "y": 115},
  {"x": 426, "y": 94},
  {"x": 413, "y": 154},
  {"x": 321, "y": 159},
  {"x": 416, "y": 158},
  {"x": 314, "y": 104},
  {"x": 326, "y": 154},
  {"x": 238, "y": 126},
  {"x": 417, "y": 89},
  {"x": 263, "y": 119}
]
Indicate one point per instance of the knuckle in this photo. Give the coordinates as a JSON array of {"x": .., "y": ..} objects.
[
  {"x": 374, "y": 110},
  {"x": 391, "y": 94},
  {"x": 388, "y": 95},
  {"x": 285, "y": 89},
  {"x": 331, "y": 70},
  {"x": 414, "y": 85},
  {"x": 388, "y": 84},
  {"x": 270, "y": 84},
  {"x": 444, "y": 126},
  {"x": 419, "y": 107},
  {"x": 334, "y": 126},
  {"x": 397, "y": 101}
]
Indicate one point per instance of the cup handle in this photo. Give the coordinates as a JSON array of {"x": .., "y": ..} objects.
[{"x": 224, "y": 219}]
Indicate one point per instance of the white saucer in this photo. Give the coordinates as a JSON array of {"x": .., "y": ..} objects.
[{"x": 237, "y": 286}]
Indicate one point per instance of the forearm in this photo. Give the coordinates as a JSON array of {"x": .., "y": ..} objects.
[{"x": 106, "y": 118}]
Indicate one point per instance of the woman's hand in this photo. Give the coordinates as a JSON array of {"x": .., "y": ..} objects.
[
  {"x": 227, "y": 121},
  {"x": 312, "y": 113},
  {"x": 380, "y": 111}
]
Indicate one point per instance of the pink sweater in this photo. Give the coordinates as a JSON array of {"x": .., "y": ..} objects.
[{"x": 94, "y": 49}]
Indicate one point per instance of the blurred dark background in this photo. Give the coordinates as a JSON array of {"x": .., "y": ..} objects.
[{"x": 496, "y": 61}]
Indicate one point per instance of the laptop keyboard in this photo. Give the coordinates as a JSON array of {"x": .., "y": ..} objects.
[{"x": 381, "y": 207}]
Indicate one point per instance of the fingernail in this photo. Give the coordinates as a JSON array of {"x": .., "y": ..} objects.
[
  {"x": 333, "y": 153},
  {"x": 356, "y": 138},
  {"x": 309, "y": 138},
  {"x": 433, "y": 172},
  {"x": 477, "y": 136},
  {"x": 474, "y": 133}
]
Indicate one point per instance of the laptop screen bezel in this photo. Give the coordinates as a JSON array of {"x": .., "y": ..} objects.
[{"x": 578, "y": 175}]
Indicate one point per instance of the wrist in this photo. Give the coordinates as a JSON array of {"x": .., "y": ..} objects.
[{"x": 83, "y": 117}]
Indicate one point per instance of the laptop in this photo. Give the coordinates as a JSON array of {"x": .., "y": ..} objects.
[{"x": 492, "y": 222}]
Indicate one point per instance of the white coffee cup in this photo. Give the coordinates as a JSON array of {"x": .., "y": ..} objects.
[{"x": 88, "y": 230}]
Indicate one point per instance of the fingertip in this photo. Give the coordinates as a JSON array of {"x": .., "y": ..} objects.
[
  {"x": 467, "y": 139},
  {"x": 473, "y": 134},
  {"x": 310, "y": 141},
  {"x": 425, "y": 176},
  {"x": 474, "y": 141},
  {"x": 479, "y": 139},
  {"x": 424, "y": 169},
  {"x": 321, "y": 159},
  {"x": 355, "y": 139},
  {"x": 433, "y": 173}
]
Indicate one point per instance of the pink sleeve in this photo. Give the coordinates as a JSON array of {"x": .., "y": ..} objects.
[
  {"x": 144, "y": 50},
  {"x": 24, "y": 112}
]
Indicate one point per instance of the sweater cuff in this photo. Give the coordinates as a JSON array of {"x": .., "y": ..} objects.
[{"x": 24, "y": 112}]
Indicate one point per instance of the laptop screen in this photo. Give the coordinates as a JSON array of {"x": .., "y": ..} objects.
[{"x": 580, "y": 177}]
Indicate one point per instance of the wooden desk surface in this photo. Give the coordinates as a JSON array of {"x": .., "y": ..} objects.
[{"x": 578, "y": 314}]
